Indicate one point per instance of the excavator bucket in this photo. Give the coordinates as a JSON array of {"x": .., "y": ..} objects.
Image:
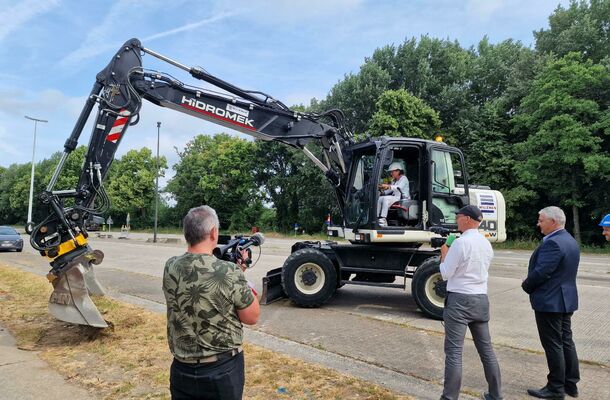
[
  {"x": 272, "y": 286},
  {"x": 70, "y": 299}
]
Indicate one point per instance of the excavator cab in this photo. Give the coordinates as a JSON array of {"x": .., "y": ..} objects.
[{"x": 437, "y": 188}]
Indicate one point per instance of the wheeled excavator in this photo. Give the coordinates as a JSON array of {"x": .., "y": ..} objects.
[{"x": 376, "y": 255}]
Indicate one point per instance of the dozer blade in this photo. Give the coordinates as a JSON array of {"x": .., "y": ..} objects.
[
  {"x": 272, "y": 286},
  {"x": 70, "y": 299}
]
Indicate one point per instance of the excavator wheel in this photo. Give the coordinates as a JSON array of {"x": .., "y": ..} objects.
[
  {"x": 428, "y": 288},
  {"x": 309, "y": 278}
]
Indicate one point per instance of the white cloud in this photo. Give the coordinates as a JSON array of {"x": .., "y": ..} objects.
[
  {"x": 103, "y": 38},
  {"x": 16, "y": 16},
  {"x": 6, "y": 148},
  {"x": 300, "y": 12},
  {"x": 97, "y": 40},
  {"x": 189, "y": 27},
  {"x": 484, "y": 8},
  {"x": 16, "y": 132}
]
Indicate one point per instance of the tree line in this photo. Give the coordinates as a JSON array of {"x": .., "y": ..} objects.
[{"x": 533, "y": 123}]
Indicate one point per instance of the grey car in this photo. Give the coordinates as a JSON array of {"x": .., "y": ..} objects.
[{"x": 10, "y": 239}]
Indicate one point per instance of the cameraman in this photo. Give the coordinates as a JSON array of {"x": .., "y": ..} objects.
[{"x": 207, "y": 301}]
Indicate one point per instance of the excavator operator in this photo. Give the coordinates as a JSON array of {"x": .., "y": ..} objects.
[{"x": 392, "y": 192}]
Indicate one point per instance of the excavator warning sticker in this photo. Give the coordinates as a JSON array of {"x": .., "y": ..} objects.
[
  {"x": 488, "y": 205},
  {"x": 117, "y": 127}
]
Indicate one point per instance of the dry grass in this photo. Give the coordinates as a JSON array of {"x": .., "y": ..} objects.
[{"x": 131, "y": 360}]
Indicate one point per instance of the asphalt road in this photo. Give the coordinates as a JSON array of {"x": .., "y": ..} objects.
[{"x": 378, "y": 333}]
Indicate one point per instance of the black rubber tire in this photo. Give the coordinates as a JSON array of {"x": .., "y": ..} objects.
[
  {"x": 297, "y": 263},
  {"x": 426, "y": 274}
]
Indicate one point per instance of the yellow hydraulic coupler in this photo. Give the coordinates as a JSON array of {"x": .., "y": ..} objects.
[{"x": 67, "y": 246}]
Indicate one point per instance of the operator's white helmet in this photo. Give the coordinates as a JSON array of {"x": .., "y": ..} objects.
[{"x": 396, "y": 165}]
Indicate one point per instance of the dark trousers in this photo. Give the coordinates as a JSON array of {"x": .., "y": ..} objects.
[
  {"x": 468, "y": 311},
  {"x": 221, "y": 380},
  {"x": 555, "y": 331}
]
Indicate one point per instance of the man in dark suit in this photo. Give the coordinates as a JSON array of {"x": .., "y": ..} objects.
[{"x": 551, "y": 284}]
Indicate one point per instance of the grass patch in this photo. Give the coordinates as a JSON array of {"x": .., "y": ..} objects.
[
  {"x": 532, "y": 244},
  {"x": 517, "y": 245},
  {"x": 271, "y": 234},
  {"x": 131, "y": 360}
]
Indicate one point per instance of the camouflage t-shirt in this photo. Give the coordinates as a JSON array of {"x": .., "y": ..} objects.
[{"x": 203, "y": 295}]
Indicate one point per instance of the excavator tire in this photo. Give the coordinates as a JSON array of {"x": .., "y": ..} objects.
[
  {"x": 309, "y": 278},
  {"x": 429, "y": 289}
]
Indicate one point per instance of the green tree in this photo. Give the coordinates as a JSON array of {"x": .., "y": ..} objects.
[
  {"x": 217, "y": 171},
  {"x": 131, "y": 185},
  {"x": 14, "y": 192},
  {"x": 500, "y": 76},
  {"x": 67, "y": 179},
  {"x": 71, "y": 171},
  {"x": 357, "y": 94},
  {"x": 399, "y": 113},
  {"x": 567, "y": 113},
  {"x": 275, "y": 170},
  {"x": 298, "y": 190},
  {"x": 582, "y": 27},
  {"x": 314, "y": 193},
  {"x": 436, "y": 71}
]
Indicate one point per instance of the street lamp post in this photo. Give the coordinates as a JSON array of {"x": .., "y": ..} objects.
[
  {"x": 157, "y": 185},
  {"x": 36, "y": 121}
]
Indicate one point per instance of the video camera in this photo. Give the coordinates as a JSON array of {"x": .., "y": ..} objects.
[
  {"x": 439, "y": 230},
  {"x": 231, "y": 251}
]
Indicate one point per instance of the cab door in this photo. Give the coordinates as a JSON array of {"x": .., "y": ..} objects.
[
  {"x": 448, "y": 189},
  {"x": 360, "y": 190}
]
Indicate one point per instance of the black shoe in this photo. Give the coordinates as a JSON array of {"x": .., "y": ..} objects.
[
  {"x": 545, "y": 393},
  {"x": 571, "y": 391}
]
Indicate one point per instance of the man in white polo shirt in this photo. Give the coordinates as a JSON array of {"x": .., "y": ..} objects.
[{"x": 464, "y": 265}]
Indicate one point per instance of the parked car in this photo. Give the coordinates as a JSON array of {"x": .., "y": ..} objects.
[
  {"x": 10, "y": 239},
  {"x": 94, "y": 223}
]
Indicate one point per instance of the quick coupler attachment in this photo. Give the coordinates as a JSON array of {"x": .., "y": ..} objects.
[{"x": 73, "y": 282}]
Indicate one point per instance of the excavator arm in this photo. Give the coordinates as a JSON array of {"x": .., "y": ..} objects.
[{"x": 118, "y": 92}]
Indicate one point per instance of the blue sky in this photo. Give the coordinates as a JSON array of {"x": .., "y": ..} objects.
[{"x": 51, "y": 50}]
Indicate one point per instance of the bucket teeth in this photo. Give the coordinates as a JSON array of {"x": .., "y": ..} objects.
[{"x": 70, "y": 299}]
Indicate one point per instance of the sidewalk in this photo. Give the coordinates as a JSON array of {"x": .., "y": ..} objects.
[{"x": 24, "y": 376}]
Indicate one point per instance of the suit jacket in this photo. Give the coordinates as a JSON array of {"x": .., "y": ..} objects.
[{"x": 551, "y": 277}]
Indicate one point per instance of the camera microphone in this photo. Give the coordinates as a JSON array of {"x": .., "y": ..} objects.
[
  {"x": 230, "y": 251},
  {"x": 255, "y": 240}
]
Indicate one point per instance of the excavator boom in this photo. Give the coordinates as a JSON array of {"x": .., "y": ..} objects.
[{"x": 118, "y": 92}]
